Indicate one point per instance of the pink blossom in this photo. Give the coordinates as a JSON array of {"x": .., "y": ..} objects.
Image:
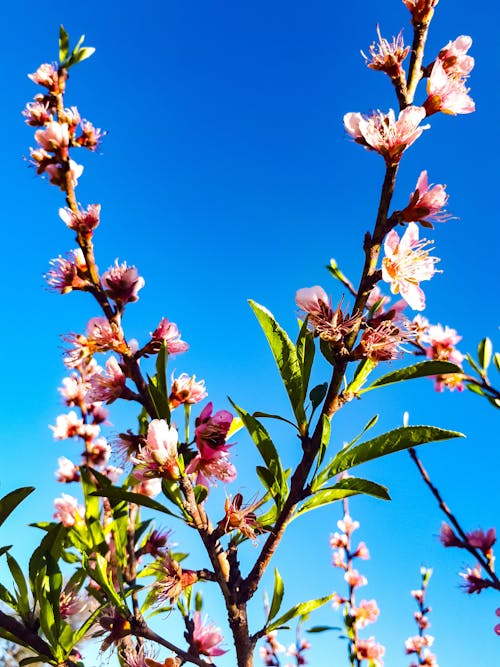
[
  {"x": 67, "y": 471},
  {"x": 46, "y": 75},
  {"x": 66, "y": 273},
  {"x": 71, "y": 117},
  {"x": 330, "y": 325},
  {"x": 57, "y": 173},
  {"x": 387, "y": 56},
  {"x": 447, "y": 93},
  {"x": 362, "y": 552},
  {"x": 406, "y": 263},
  {"x": 474, "y": 582},
  {"x": 454, "y": 57},
  {"x": 73, "y": 390},
  {"x": 172, "y": 579},
  {"x": 106, "y": 388},
  {"x": 426, "y": 203},
  {"x": 36, "y": 114},
  {"x": 217, "y": 467},
  {"x": 186, "y": 390},
  {"x": 421, "y": 10},
  {"x": 368, "y": 649},
  {"x": 104, "y": 334},
  {"x": 68, "y": 511},
  {"x": 90, "y": 137},
  {"x": 338, "y": 540},
  {"x": 347, "y": 525},
  {"x": 169, "y": 332},
  {"x": 55, "y": 136},
  {"x": 149, "y": 487},
  {"x": 67, "y": 426},
  {"x": 417, "y": 643},
  {"x": 448, "y": 537},
  {"x": 355, "y": 579},
  {"x": 211, "y": 431},
  {"x": 113, "y": 473},
  {"x": 383, "y": 133},
  {"x": 383, "y": 342},
  {"x": 497, "y": 627},
  {"x": 338, "y": 558},
  {"x": 484, "y": 541},
  {"x": 97, "y": 452},
  {"x": 442, "y": 341},
  {"x": 84, "y": 222},
  {"x": 366, "y": 612},
  {"x": 122, "y": 283},
  {"x": 206, "y": 637},
  {"x": 158, "y": 458}
]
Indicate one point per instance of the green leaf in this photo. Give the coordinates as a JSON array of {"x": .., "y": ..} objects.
[
  {"x": 317, "y": 394},
  {"x": 326, "y": 351},
  {"x": 285, "y": 355},
  {"x": 117, "y": 493},
  {"x": 473, "y": 364},
  {"x": 80, "y": 55},
  {"x": 63, "y": 45},
  {"x": 298, "y": 610},
  {"x": 343, "y": 489},
  {"x": 9, "y": 502},
  {"x": 305, "y": 354},
  {"x": 7, "y": 597},
  {"x": 4, "y": 550},
  {"x": 159, "y": 399},
  {"x": 268, "y": 415},
  {"x": 18, "y": 576},
  {"x": 423, "y": 369},
  {"x": 496, "y": 360},
  {"x": 200, "y": 493},
  {"x": 323, "y": 628},
  {"x": 361, "y": 374},
  {"x": 276, "y": 480},
  {"x": 484, "y": 353},
  {"x": 278, "y": 592},
  {"x": 394, "y": 441},
  {"x": 161, "y": 368}
]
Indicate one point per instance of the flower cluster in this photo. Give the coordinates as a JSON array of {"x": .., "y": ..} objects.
[
  {"x": 356, "y": 615},
  {"x": 438, "y": 343},
  {"x": 59, "y": 130},
  {"x": 446, "y": 84},
  {"x": 418, "y": 645},
  {"x": 479, "y": 542}
]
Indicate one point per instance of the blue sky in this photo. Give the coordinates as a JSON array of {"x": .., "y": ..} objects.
[{"x": 226, "y": 175}]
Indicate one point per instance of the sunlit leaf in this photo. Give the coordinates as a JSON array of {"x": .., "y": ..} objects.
[{"x": 422, "y": 369}]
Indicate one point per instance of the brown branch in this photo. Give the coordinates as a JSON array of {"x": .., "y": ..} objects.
[
  {"x": 27, "y": 637},
  {"x": 415, "y": 72},
  {"x": 140, "y": 629},
  {"x": 453, "y": 520}
]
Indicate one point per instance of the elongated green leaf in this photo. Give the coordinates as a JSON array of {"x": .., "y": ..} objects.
[
  {"x": 473, "y": 364},
  {"x": 343, "y": 489},
  {"x": 63, "y": 44},
  {"x": 394, "y": 441},
  {"x": 285, "y": 355},
  {"x": 268, "y": 415},
  {"x": 171, "y": 490},
  {"x": 268, "y": 451},
  {"x": 484, "y": 353},
  {"x": 159, "y": 399},
  {"x": 161, "y": 368},
  {"x": 298, "y": 610},
  {"x": 4, "y": 549},
  {"x": 326, "y": 351},
  {"x": 278, "y": 592},
  {"x": 117, "y": 493},
  {"x": 305, "y": 354},
  {"x": 7, "y": 597},
  {"x": 423, "y": 369},
  {"x": 18, "y": 576},
  {"x": 323, "y": 628},
  {"x": 9, "y": 502}
]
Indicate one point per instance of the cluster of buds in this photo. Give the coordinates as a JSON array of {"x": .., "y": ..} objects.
[
  {"x": 356, "y": 616},
  {"x": 59, "y": 129},
  {"x": 438, "y": 343},
  {"x": 418, "y": 645}
]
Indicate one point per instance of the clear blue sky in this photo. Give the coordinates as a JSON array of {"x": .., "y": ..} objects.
[{"x": 226, "y": 174}]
